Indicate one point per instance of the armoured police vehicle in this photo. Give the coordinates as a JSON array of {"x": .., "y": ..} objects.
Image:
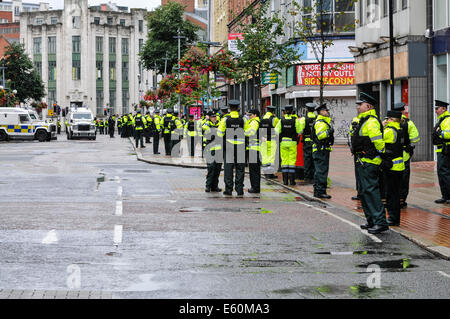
[
  {"x": 23, "y": 124},
  {"x": 81, "y": 124}
]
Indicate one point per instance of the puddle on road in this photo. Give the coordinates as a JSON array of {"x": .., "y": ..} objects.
[
  {"x": 269, "y": 263},
  {"x": 359, "y": 291},
  {"x": 391, "y": 265},
  {"x": 224, "y": 210},
  {"x": 359, "y": 252}
]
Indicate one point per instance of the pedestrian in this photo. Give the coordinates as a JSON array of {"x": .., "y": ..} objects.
[
  {"x": 288, "y": 129},
  {"x": 392, "y": 166},
  {"x": 368, "y": 146},
  {"x": 156, "y": 131},
  {"x": 254, "y": 160},
  {"x": 124, "y": 126},
  {"x": 139, "y": 124},
  {"x": 213, "y": 155},
  {"x": 119, "y": 125},
  {"x": 269, "y": 143},
  {"x": 411, "y": 137},
  {"x": 111, "y": 125},
  {"x": 168, "y": 126},
  {"x": 231, "y": 129},
  {"x": 306, "y": 125},
  {"x": 105, "y": 125},
  {"x": 323, "y": 138},
  {"x": 441, "y": 138},
  {"x": 59, "y": 126},
  {"x": 190, "y": 133}
]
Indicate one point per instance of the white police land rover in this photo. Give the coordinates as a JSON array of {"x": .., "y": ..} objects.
[
  {"x": 22, "y": 124},
  {"x": 81, "y": 124}
]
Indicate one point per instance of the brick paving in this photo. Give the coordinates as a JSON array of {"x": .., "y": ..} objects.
[{"x": 53, "y": 294}]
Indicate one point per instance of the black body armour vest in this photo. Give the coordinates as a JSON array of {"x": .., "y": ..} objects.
[
  {"x": 288, "y": 129},
  {"x": 266, "y": 126},
  {"x": 362, "y": 145}
]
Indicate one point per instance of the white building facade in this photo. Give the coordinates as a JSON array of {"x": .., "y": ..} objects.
[{"x": 88, "y": 57}]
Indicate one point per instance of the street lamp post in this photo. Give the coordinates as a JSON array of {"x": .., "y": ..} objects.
[
  {"x": 391, "y": 50},
  {"x": 3, "y": 68},
  {"x": 179, "y": 37}
]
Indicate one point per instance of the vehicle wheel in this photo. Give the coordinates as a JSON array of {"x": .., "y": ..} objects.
[
  {"x": 3, "y": 136},
  {"x": 41, "y": 136}
]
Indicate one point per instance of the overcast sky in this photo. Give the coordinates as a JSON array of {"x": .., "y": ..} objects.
[{"x": 146, "y": 4}]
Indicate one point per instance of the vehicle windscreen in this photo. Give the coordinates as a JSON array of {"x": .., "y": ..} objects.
[
  {"x": 82, "y": 116},
  {"x": 33, "y": 117}
]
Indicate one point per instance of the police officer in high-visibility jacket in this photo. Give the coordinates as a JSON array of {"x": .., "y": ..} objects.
[
  {"x": 368, "y": 146},
  {"x": 213, "y": 155},
  {"x": 288, "y": 129},
  {"x": 231, "y": 129},
  {"x": 306, "y": 124},
  {"x": 269, "y": 142},
  {"x": 168, "y": 125},
  {"x": 190, "y": 133},
  {"x": 252, "y": 132},
  {"x": 411, "y": 137},
  {"x": 441, "y": 138},
  {"x": 148, "y": 127},
  {"x": 177, "y": 135},
  {"x": 351, "y": 132},
  {"x": 156, "y": 131},
  {"x": 323, "y": 138},
  {"x": 393, "y": 167},
  {"x": 139, "y": 124}
]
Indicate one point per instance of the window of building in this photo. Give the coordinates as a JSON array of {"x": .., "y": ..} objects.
[
  {"x": 439, "y": 10},
  {"x": 76, "y": 22},
  {"x": 17, "y": 11},
  {"x": 76, "y": 70},
  {"x": 99, "y": 44},
  {"x": 394, "y": 6},
  {"x": 125, "y": 101},
  {"x": 109, "y": 20},
  {"x": 112, "y": 101},
  {"x": 54, "y": 20},
  {"x": 37, "y": 45},
  {"x": 112, "y": 45},
  {"x": 112, "y": 70},
  {"x": 122, "y": 22},
  {"x": 404, "y": 4},
  {"x": 52, "y": 44},
  {"x": 39, "y": 21},
  {"x": 96, "y": 20},
  {"x": 141, "y": 44},
  {"x": 441, "y": 77},
  {"x": 141, "y": 25},
  {"x": 76, "y": 44},
  {"x": 38, "y": 67},
  {"x": 124, "y": 71},
  {"x": 99, "y": 102},
  {"x": 99, "y": 68},
  {"x": 124, "y": 46},
  {"x": 334, "y": 15},
  {"x": 52, "y": 70},
  {"x": 51, "y": 97}
]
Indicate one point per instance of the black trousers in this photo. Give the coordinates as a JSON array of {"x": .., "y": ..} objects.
[
  {"x": 369, "y": 181},
  {"x": 321, "y": 166},
  {"x": 191, "y": 142},
  {"x": 390, "y": 187},
  {"x": 443, "y": 172},
  {"x": 139, "y": 136},
  {"x": 254, "y": 168},
  {"x": 111, "y": 131},
  {"x": 155, "y": 142},
  {"x": 167, "y": 143},
  {"x": 404, "y": 185},
  {"x": 308, "y": 161},
  {"x": 213, "y": 171},
  {"x": 231, "y": 179}
]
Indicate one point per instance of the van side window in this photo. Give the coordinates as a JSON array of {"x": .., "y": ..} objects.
[{"x": 23, "y": 118}]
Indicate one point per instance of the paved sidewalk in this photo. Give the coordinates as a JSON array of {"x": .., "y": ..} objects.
[{"x": 422, "y": 221}]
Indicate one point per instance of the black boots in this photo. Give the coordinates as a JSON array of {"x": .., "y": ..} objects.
[
  {"x": 292, "y": 179},
  {"x": 285, "y": 178}
]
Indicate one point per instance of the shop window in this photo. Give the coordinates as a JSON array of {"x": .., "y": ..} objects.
[{"x": 441, "y": 77}]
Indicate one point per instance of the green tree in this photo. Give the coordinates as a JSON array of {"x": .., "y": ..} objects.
[
  {"x": 163, "y": 25},
  {"x": 260, "y": 49},
  {"x": 21, "y": 75},
  {"x": 317, "y": 28}
]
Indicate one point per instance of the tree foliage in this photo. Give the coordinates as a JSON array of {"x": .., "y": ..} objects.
[
  {"x": 21, "y": 76},
  {"x": 163, "y": 25}
]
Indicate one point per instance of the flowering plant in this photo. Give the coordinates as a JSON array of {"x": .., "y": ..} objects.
[{"x": 7, "y": 98}]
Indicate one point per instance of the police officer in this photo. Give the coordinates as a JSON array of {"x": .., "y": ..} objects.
[
  {"x": 288, "y": 129},
  {"x": 168, "y": 125},
  {"x": 306, "y": 124},
  {"x": 156, "y": 131},
  {"x": 190, "y": 133},
  {"x": 124, "y": 132},
  {"x": 393, "y": 166},
  {"x": 269, "y": 143},
  {"x": 411, "y": 136},
  {"x": 119, "y": 125},
  {"x": 177, "y": 135},
  {"x": 148, "y": 127},
  {"x": 351, "y": 132},
  {"x": 254, "y": 161},
  {"x": 213, "y": 155},
  {"x": 111, "y": 124},
  {"x": 441, "y": 138},
  {"x": 323, "y": 138},
  {"x": 368, "y": 146},
  {"x": 231, "y": 129},
  {"x": 139, "y": 124}
]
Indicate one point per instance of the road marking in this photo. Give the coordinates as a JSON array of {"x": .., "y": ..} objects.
[
  {"x": 117, "y": 179},
  {"x": 118, "y": 234},
  {"x": 50, "y": 238},
  {"x": 444, "y": 274},
  {"x": 119, "y": 191},
  {"x": 365, "y": 232},
  {"x": 118, "y": 208}
]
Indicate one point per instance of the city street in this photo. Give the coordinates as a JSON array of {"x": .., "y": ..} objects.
[{"x": 86, "y": 219}]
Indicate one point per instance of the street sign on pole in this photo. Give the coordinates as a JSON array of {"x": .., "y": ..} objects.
[{"x": 269, "y": 78}]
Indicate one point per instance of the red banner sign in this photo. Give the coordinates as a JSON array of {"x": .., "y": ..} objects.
[{"x": 333, "y": 74}]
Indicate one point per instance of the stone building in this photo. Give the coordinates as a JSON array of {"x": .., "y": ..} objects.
[{"x": 88, "y": 56}]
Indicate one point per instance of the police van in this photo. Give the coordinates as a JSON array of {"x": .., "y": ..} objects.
[
  {"x": 23, "y": 124},
  {"x": 81, "y": 124}
]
